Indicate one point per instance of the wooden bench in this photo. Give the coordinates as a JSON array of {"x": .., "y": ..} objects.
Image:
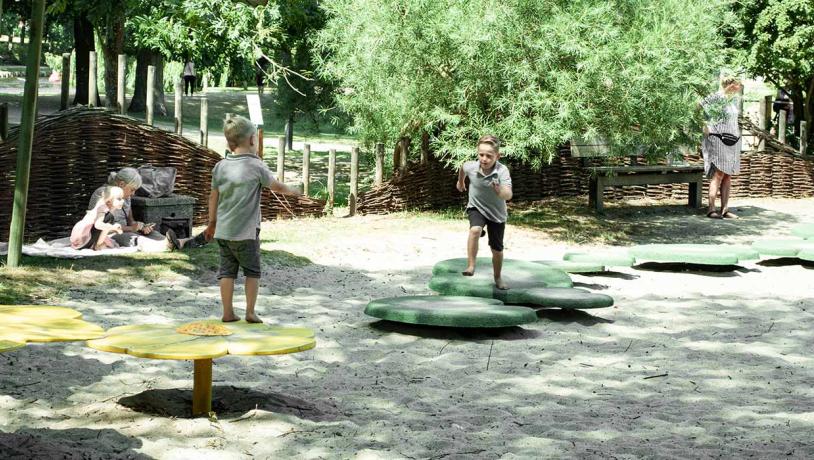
[{"x": 608, "y": 176}]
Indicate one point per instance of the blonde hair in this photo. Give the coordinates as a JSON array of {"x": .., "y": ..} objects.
[
  {"x": 490, "y": 140},
  {"x": 237, "y": 130},
  {"x": 728, "y": 80},
  {"x": 110, "y": 192}
]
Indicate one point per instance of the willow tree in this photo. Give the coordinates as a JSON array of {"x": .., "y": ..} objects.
[{"x": 536, "y": 73}]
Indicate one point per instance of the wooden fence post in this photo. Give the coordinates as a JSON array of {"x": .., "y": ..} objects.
[
  {"x": 331, "y": 179},
  {"x": 3, "y": 121},
  {"x": 763, "y": 120},
  {"x": 425, "y": 148},
  {"x": 121, "y": 82},
  {"x": 150, "y": 94},
  {"x": 379, "y": 177},
  {"x": 179, "y": 106},
  {"x": 803, "y": 137},
  {"x": 781, "y": 126},
  {"x": 204, "y": 126},
  {"x": 92, "y": 90},
  {"x": 66, "y": 81},
  {"x": 306, "y": 168},
  {"x": 354, "y": 180},
  {"x": 405, "y": 151},
  {"x": 397, "y": 157},
  {"x": 281, "y": 159},
  {"x": 26, "y": 138}
]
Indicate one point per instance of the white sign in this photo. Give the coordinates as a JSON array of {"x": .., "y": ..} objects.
[{"x": 253, "y": 101}]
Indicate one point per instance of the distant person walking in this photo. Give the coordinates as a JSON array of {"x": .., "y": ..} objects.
[
  {"x": 189, "y": 78},
  {"x": 260, "y": 68},
  {"x": 722, "y": 144}
]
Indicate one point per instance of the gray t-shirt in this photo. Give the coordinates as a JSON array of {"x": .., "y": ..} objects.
[
  {"x": 120, "y": 215},
  {"x": 481, "y": 194},
  {"x": 239, "y": 180}
]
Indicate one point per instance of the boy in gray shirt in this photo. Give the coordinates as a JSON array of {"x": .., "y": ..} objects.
[
  {"x": 234, "y": 213},
  {"x": 490, "y": 186}
]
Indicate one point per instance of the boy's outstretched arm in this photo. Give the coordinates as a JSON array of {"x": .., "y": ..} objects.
[
  {"x": 209, "y": 233},
  {"x": 277, "y": 186},
  {"x": 504, "y": 192},
  {"x": 461, "y": 185}
]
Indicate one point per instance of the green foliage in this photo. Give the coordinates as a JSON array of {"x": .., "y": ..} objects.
[
  {"x": 535, "y": 73},
  {"x": 774, "y": 39}
]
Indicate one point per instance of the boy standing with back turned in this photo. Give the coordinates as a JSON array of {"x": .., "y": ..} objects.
[
  {"x": 234, "y": 213},
  {"x": 490, "y": 186}
]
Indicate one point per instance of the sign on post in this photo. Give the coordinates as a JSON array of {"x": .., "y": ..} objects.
[{"x": 256, "y": 115}]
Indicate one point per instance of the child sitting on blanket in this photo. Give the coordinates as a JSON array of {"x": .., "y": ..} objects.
[{"x": 94, "y": 230}]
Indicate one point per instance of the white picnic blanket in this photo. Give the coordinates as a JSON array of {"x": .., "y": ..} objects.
[{"x": 61, "y": 248}]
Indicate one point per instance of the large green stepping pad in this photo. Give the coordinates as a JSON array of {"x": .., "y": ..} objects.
[
  {"x": 700, "y": 254},
  {"x": 567, "y": 298},
  {"x": 803, "y": 230},
  {"x": 782, "y": 248},
  {"x": 607, "y": 259},
  {"x": 450, "y": 311},
  {"x": 572, "y": 267},
  {"x": 519, "y": 271},
  {"x": 806, "y": 254}
]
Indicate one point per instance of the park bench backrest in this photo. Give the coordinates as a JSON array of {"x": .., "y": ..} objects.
[{"x": 599, "y": 148}]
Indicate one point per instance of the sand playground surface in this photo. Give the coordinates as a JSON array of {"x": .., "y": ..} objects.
[{"x": 687, "y": 364}]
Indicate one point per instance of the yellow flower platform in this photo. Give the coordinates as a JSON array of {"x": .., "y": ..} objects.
[
  {"x": 20, "y": 324},
  {"x": 201, "y": 342}
]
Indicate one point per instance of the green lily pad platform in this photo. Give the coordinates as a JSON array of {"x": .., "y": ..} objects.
[
  {"x": 806, "y": 254},
  {"x": 567, "y": 298},
  {"x": 572, "y": 267},
  {"x": 607, "y": 259},
  {"x": 803, "y": 231},
  {"x": 450, "y": 311},
  {"x": 699, "y": 254},
  {"x": 782, "y": 248}
]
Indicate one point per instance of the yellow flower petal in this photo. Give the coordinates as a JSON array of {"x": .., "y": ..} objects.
[
  {"x": 24, "y": 313},
  {"x": 194, "y": 347},
  {"x": 263, "y": 344},
  {"x": 121, "y": 339},
  {"x": 8, "y": 345}
]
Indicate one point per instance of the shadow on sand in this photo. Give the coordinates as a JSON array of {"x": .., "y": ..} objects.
[{"x": 74, "y": 443}]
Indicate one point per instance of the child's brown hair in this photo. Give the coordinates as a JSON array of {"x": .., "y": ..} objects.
[
  {"x": 237, "y": 130},
  {"x": 490, "y": 140}
]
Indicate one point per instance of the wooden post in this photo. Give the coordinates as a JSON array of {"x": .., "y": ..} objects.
[
  {"x": 92, "y": 90},
  {"x": 377, "y": 181},
  {"x": 260, "y": 141},
  {"x": 150, "y": 94},
  {"x": 763, "y": 119},
  {"x": 397, "y": 157},
  {"x": 405, "y": 151},
  {"x": 281, "y": 159},
  {"x": 66, "y": 81},
  {"x": 306, "y": 168},
  {"x": 121, "y": 82},
  {"x": 179, "y": 106},
  {"x": 204, "y": 129},
  {"x": 331, "y": 178},
  {"x": 425, "y": 148},
  {"x": 781, "y": 126},
  {"x": 202, "y": 387},
  {"x": 3, "y": 121},
  {"x": 354, "y": 180},
  {"x": 29, "y": 114},
  {"x": 740, "y": 99},
  {"x": 803, "y": 137}
]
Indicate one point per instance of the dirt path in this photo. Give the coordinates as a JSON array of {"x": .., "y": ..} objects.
[{"x": 687, "y": 364}]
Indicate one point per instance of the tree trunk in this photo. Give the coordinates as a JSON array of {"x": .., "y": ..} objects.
[
  {"x": 83, "y": 45},
  {"x": 289, "y": 132},
  {"x": 113, "y": 46},
  {"x": 138, "y": 103}
]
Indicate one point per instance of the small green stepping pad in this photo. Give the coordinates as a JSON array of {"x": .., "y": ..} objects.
[
  {"x": 567, "y": 298},
  {"x": 607, "y": 259},
  {"x": 572, "y": 267},
  {"x": 450, "y": 311},
  {"x": 806, "y": 254},
  {"x": 803, "y": 230},
  {"x": 700, "y": 254},
  {"x": 782, "y": 248}
]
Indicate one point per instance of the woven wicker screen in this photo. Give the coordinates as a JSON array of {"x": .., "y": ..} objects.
[
  {"x": 775, "y": 173},
  {"x": 75, "y": 150}
]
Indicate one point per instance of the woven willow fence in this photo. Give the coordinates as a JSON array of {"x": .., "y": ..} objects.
[
  {"x": 76, "y": 149},
  {"x": 776, "y": 172}
]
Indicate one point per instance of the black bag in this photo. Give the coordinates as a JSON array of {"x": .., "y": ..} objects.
[
  {"x": 156, "y": 182},
  {"x": 728, "y": 139}
]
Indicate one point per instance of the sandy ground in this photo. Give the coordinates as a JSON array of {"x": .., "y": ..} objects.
[{"x": 688, "y": 364}]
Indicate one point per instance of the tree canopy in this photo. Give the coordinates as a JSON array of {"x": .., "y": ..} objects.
[{"x": 535, "y": 73}]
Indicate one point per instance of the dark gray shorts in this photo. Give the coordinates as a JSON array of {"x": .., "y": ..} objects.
[
  {"x": 495, "y": 230},
  {"x": 239, "y": 254}
]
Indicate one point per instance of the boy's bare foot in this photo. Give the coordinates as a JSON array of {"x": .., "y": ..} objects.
[
  {"x": 230, "y": 319},
  {"x": 468, "y": 272},
  {"x": 253, "y": 318},
  {"x": 730, "y": 215},
  {"x": 500, "y": 284}
]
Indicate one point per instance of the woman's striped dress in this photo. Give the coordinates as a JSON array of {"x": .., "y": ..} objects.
[{"x": 722, "y": 117}]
